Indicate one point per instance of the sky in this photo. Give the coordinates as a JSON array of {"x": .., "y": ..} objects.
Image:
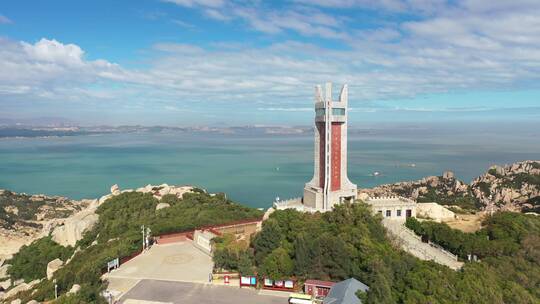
[{"x": 234, "y": 62}]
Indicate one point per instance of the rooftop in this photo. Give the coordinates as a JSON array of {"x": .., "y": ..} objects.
[
  {"x": 344, "y": 292},
  {"x": 320, "y": 283}
]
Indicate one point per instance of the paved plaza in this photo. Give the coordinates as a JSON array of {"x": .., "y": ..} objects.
[
  {"x": 162, "y": 292},
  {"x": 177, "y": 273},
  {"x": 171, "y": 262}
]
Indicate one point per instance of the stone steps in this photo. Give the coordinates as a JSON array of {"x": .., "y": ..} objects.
[{"x": 413, "y": 244}]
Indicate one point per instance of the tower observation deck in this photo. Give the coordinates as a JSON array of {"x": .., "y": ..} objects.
[{"x": 330, "y": 184}]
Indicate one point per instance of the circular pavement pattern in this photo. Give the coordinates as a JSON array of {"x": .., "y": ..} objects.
[{"x": 181, "y": 258}]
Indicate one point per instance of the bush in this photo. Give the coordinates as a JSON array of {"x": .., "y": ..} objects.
[{"x": 30, "y": 263}]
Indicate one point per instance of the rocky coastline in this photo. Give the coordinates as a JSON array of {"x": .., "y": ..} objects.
[
  {"x": 514, "y": 187},
  {"x": 30, "y": 217}
]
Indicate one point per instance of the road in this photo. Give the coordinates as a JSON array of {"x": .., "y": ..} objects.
[{"x": 162, "y": 292}]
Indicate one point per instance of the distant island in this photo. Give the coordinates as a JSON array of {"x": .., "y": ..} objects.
[{"x": 11, "y": 131}]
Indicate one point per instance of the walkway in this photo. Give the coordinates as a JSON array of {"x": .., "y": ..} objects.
[{"x": 413, "y": 244}]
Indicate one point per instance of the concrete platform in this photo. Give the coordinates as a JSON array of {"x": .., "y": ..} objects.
[
  {"x": 180, "y": 262},
  {"x": 160, "y": 292}
]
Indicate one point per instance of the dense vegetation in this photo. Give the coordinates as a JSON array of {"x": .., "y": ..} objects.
[
  {"x": 231, "y": 254},
  {"x": 30, "y": 263},
  {"x": 350, "y": 242},
  {"x": 508, "y": 245},
  {"x": 502, "y": 235},
  {"x": 464, "y": 200},
  {"x": 117, "y": 234}
]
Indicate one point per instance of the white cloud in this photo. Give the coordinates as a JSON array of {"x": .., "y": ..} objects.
[
  {"x": 215, "y": 14},
  {"x": 192, "y": 3},
  {"x": 418, "y": 6},
  {"x": 54, "y": 52},
  {"x": 50, "y": 69},
  {"x": 462, "y": 48},
  {"x": 183, "y": 24},
  {"x": 5, "y": 20},
  {"x": 306, "y": 21}
]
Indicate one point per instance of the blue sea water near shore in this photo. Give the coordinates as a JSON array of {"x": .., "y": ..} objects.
[{"x": 251, "y": 168}]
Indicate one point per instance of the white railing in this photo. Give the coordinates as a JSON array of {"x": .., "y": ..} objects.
[
  {"x": 434, "y": 245},
  {"x": 288, "y": 203},
  {"x": 391, "y": 198},
  {"x": 448, "y": 253}
]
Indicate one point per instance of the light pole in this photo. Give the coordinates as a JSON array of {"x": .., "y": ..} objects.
[
  {"x": 55, "y": 289},
  {"x": 148, "y": 237},
  {"x": 143, "y": 239}
]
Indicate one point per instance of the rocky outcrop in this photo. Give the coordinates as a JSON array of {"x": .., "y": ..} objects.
[
  {"x": 164, "y": 189},
  {"x": 53, "y": 266},
  {"x": 5, "y": 284},
  {"x": 74, "y": 289},
  {"x": 69, "y": 231},
  {"x": 24, "y": 218},
  {"x": 162, "y": 206},
  {"x": 19, "y": 288},
  {"x": 445, "y": 190},
  {"x": 3, "y": 271},
  {"x": 513, "y": 187},
  {"x": 115, "y": 190},
  {"x": 69, "y": 226},
  {"x": 434, "y": 212}
]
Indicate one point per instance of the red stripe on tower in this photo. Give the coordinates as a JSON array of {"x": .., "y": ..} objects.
[{"x": 336, "y": 157}]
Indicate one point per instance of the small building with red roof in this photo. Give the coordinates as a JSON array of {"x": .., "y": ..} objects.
[{"x": 317, "y": 288}]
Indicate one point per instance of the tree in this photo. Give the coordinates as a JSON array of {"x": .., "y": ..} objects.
[
  {"x": 302, "y": 256},
  {"x": 245, "y": 263},
  {"x": 267, "y": 240},
  {"x": 335, "y": 257},
  {"x": 278, "y": 265},
  {"x": 380, "y": 291},
  {"x": 30, "y": 263}
]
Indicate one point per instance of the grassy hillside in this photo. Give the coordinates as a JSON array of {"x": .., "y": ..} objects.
[{"x": 117, "y": 234}]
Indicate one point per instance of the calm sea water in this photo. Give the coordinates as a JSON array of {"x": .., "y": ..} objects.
[{"x": 251, "y": 169}]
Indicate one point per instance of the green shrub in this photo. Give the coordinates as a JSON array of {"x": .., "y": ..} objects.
[{"x": 30, "y": 263}]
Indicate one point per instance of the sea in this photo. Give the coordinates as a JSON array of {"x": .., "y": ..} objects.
[{"x": 254, "y": 168}]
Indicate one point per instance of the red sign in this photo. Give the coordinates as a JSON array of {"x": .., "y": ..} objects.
[{"x": 227, "y": 279}]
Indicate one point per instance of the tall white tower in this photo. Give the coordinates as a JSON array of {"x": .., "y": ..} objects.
[{"x": 330, "y": 184}]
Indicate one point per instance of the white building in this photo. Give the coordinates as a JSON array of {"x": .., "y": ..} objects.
[{"x": 393, "y": 207}]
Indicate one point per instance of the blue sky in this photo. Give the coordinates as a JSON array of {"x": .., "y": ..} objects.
[{"x": 196, "y": 62}]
